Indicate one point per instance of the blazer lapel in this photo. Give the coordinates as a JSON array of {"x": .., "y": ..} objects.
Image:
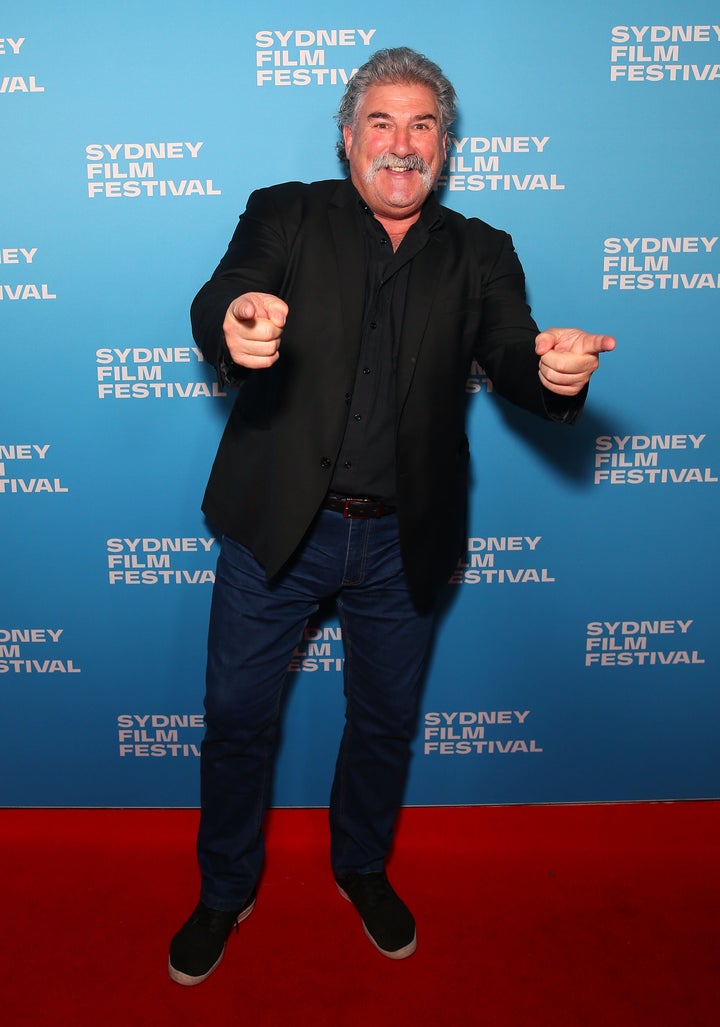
[
  {"x": 346, "y": 230},
  {"x": 424, "y": 276}
]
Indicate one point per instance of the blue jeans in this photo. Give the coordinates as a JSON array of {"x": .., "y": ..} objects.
[{"x": 254, "y": 629}]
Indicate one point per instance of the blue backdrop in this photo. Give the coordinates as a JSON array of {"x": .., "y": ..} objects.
[{"x": 577, "y": 657}]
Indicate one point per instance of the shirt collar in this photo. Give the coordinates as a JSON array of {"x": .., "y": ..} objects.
[{"x": 431, "y": 214}]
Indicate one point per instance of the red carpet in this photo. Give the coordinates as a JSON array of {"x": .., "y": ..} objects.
[{"x": 552, "y": 916}]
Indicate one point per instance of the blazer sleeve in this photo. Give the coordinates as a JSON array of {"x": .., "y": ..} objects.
[
  {"x": 506, "y": 347},
  {"x": 255, "y": 261}
]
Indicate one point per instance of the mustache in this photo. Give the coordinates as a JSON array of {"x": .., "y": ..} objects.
[{"x": 411, "y": 162}]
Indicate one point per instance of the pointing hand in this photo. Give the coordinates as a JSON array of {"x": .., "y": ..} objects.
[
  {"x": 568, "y": 357},
  {"x": 253, "y": 328}
]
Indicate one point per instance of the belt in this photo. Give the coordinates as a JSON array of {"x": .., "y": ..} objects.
[{"x": 356, "y": 506}]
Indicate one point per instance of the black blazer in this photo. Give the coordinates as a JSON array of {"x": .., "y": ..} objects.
[{"x": 465, "y": 300}]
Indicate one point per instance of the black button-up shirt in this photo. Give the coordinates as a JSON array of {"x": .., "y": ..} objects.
[{"x": 366, "y": 464}]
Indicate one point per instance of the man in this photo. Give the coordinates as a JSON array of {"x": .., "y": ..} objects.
[{"x": 348, "y": 313}]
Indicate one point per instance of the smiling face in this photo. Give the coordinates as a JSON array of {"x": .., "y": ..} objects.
[{"x": 396, "y": 149}]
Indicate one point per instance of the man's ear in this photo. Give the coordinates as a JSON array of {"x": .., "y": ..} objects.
[{"x": 347, "y": 138}]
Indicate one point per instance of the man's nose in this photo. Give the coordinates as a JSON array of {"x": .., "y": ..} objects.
[{"x": 402, "y": 144}]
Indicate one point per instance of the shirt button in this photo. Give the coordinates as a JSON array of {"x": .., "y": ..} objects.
[
  {"x": 325, "y": 463},
  {"x": 366, "y": 370},
  {"x": 358, "y": 417},
  {"x": 373, "y": 325},
  {"x": 347, "y": 465},
  {"x": 347, "y": 397}
]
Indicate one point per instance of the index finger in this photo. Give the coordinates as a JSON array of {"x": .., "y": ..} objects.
[
  {"x": 599, "y": 344},
  {"x": 254, "y": 305}
]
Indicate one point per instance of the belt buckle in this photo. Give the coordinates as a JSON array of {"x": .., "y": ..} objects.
[{"x": 374, "y": 511}]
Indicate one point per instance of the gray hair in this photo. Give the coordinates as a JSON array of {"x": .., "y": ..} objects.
[{"x": 400, "y": 64}]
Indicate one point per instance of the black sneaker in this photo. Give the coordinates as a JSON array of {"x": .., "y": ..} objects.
[
  {"x": 388, "y": 922},
  {"x": 198, "y": 947}
]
